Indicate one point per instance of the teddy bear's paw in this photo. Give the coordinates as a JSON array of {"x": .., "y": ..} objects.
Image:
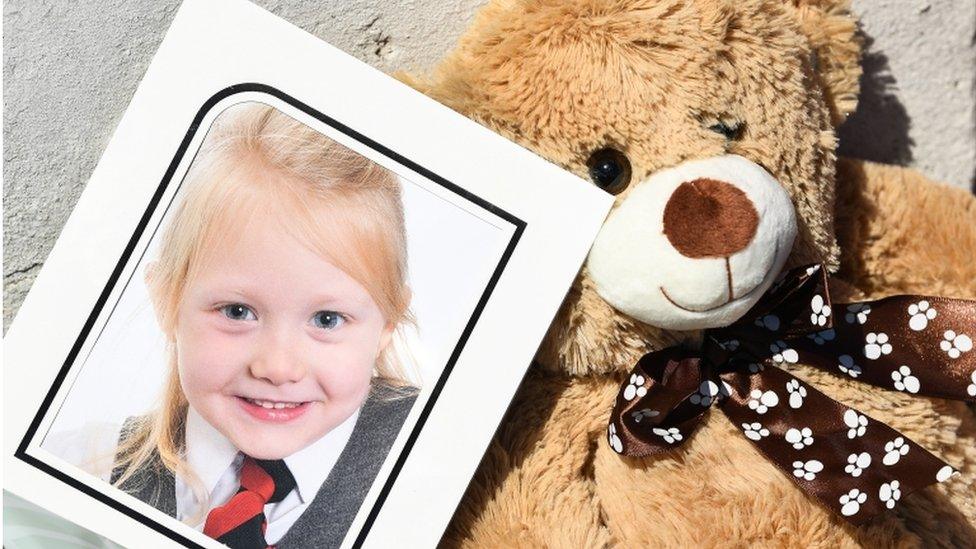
[
  {"x": 799, "y": 438},
  {"x": 847, "y": 366},
  {"x": 761, "y": 401},
  {"x": 851, "y": 502},
  {"x": 919, "y": 315},
  {"x": 905, "y": 381},
  {"x": 876, "y": 345},
  {"x": 894, "y": 450},
  {"x": 821, "y": 311},
  {"x": 755, "y": 431},
  {"x": 797, "y": 393},
  {"x": 823, "y": 336},
  {"x": 955, "y": 344},
  {"x": 857, "y": 313},
  {"x": 782, "y": 354},
  {"x": 857, "y": 424},
  {"x": 857, "y": 463},
  {"x": 890, "y": 493},
  {"x": 807, "y": 470}
]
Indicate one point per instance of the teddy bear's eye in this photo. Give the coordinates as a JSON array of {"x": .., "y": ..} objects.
[
  {"x": 609, "y": 169},
  {"x": 731, "y": 130}
]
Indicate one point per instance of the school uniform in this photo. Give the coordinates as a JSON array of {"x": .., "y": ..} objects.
[{"x": 331, "y": 475}]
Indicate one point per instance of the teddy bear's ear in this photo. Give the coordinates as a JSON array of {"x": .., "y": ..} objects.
[{"x": 832, "y": 31}]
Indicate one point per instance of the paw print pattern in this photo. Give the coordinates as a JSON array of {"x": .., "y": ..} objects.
[
  {"x": 850, "y": 503},
  {"x": 894, "y": 450},
  {"x": 641, "y": 414},
  {"x": 857, "y": 313},
  {"x": 904, "y": 380},
  {"x": 971, "y": 389},
  {"x": 820, "y": 311},
  {"x": 857, "y": 463},
  {"x": 755, "y": 367},
  {"x": 955, "y": 344},
  {"x": 823, "y": 336},
  {"x": 945, "y": 473},
  {"x": 847, "y": 365},
  {"x": 807, "y": 470},
  {"x": 731, "y": 345},
  {"x": 857, "y": 424},
  {"x": 889, "y": 493},
  {"x": 919, "y": 315},
  {"x": 875, "y": 345},
  {"x": 782, "y": 353},
  {"x": 761, "y": 401},
  {"x": 755, "y": 431},
  {"x": 670, "y": 434},
  {"x": 799, "y": 438},
  {"x": 797, "y": 393},
  {"x": 635, "y": 388},
  {"x": 770, "y": 322},
  {"x": 707, "y": 393},
  {"x": 614, "y": 439}
]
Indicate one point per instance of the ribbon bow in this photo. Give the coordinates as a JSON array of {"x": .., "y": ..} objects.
[{"x": 853, "y": 464}]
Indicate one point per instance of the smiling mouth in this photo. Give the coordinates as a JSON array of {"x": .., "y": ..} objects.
[{"x": 273, "y": 404}]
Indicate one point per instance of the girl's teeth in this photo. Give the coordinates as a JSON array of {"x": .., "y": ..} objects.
[{"x": 269, "y": 405}]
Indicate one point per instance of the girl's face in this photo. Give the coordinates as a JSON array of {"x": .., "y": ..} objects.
[{"x": 275, "y": 344}]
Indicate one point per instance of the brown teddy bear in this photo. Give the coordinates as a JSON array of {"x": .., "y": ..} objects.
[{"x": 713, "y": 122}]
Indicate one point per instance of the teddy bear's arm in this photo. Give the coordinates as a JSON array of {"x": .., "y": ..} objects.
[
  {"x": 900, "y": 232},
  {"x": 534, "y": 486}
]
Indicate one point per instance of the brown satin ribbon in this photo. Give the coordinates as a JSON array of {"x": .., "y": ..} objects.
[{"x": 855, "y": 465}]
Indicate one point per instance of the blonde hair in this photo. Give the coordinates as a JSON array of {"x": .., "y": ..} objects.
[{"x": 363, "y": 234}]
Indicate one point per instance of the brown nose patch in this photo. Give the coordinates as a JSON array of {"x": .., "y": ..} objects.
[{"x": 709, "y": 218}]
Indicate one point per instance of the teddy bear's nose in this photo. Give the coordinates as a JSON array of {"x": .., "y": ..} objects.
[{"x": 709, "y": 218}]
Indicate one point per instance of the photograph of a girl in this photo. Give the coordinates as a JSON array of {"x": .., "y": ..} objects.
[{"x": 281, "y": 279}]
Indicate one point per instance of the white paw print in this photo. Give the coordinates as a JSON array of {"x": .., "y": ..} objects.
[
  {"x": 889, "y": 493},
  {"x": 919, "y": 315},
  {"x": 857, "y": 313},
  {"x": 894, "y": 450},
  {"x": 857, "y": 463},
  {"x": 876, "y": 344},
  {"x": 641, "y": 414},
  {"x": 856, "y": 423},
  {"x": 823, "y": 336},
  {"x": 797, "y": 393},
  {"x": 799, "y": 438},
  {"x": 755, "y": 431},
  {"x": 615, "y": 442},
  {"x": 812, "y": 269},
  {"x": 807, "y": 470},
  {"x": 971, "y": 390},
  {"x": 955, "y": 344},
  {"x": 945, "y": 473},
  {"x": 635, "y": 388},
  {"x": 670, "y": 434},
  {"x": 848, "y": 366},
  {"x": 851, "y": 502},
  {"x": 770, "y": 322},
  {"x": 761, "y": 401},
  {"x": 707, "y": 393},
  {"x": 782, "y": 353},
  {"x": 904, "y": 380},
  {"x": 820, "y": 311}
]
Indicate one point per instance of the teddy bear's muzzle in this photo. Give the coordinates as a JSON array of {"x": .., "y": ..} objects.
[{"x": 694, "y": 246}]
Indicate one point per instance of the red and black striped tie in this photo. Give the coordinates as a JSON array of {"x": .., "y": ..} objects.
[{"x": 240, "y": 523}]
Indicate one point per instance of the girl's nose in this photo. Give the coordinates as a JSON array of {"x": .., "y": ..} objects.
[{"x": 277, "y": 362}]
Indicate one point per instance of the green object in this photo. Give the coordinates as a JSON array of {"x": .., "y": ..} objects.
[{"x": 27, "y": 526}]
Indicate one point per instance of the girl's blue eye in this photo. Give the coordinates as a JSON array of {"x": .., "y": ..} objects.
[
  {"x": 328, "y": 320},
  {"x": 237, "y": 311}
]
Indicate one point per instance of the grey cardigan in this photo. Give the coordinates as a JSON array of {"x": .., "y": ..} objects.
[{"x": 327, "y": 518}]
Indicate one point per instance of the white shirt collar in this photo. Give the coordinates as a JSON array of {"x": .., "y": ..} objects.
[{"x": 209, "y": 454}]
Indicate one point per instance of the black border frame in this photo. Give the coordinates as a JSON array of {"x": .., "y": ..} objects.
[{"x": 181, "y": 151}]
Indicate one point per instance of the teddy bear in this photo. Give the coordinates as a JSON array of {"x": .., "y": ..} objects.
[{"x": 714, "y": 124}]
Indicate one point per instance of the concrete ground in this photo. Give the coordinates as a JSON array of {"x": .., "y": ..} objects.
[{"x": 70, "y": 69}]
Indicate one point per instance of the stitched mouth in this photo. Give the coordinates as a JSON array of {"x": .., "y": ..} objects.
[{"x": 731, "y": 298}]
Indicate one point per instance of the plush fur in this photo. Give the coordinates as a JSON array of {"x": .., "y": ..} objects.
[{"x": 649, "y": 77}]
